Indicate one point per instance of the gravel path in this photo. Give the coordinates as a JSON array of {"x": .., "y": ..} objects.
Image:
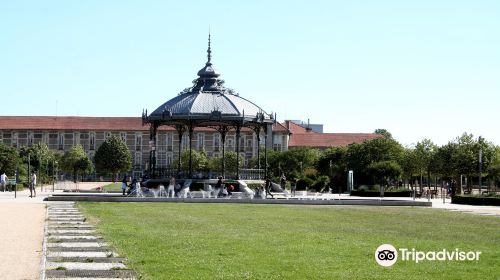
[{"x": 21, "y": 239}]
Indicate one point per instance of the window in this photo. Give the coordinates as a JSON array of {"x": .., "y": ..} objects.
[
  {"x": 249, "y": 144},
  {"x": 123, "y": 136},
  {"x": 185, "y": 141},
  {"x": 242, "y": 143},
  {"x": 14, "y": 140},
  {"x": 60, "y": 141},
  {"x": 92, "y": 141},
  {"x": 169, "y": 159},
  {"x": 277, "y": 147},
  {"x": 76, "y": 138},
  {"x": 200, "y": 143},
  {"x": 138, "y": 141},
  {"x": 217, "y": 142},
  {"x": 31, "y": 138},
  {"x": 169, "y": 141},
  {"x": 45, "y": 138},
  {"x": 138, "y": 158},
  {"x": 230, "y": 143}
]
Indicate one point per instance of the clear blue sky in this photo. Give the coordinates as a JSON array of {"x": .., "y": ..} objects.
[{"x": 421, "y": 69}]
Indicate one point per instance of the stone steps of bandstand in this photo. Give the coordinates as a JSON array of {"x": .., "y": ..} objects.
[{"x": 73, "y": 250}]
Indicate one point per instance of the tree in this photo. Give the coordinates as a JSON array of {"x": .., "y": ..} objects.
[
  {"x": 293, "y": 162},
  {"x": 41, "y": 159},
  {"x": 332, "y": 163},
  {"x": 215, "y": 163},
  {"x": 360, "y": 155},
  {"x": 424, "y": 154},
  {"x": 383, "y": 132},
  {"x": 384, "y": 171},
  {"x": 113, "y": 156},
  {"x": 409, "y": 166},
  {"x": 199, "y": 160},
  {"x": 76, "y": 161},
  {"x": 9, "y": 159}
]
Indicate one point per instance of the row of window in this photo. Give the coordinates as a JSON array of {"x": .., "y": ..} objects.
[{"x": 167, "y": 142}]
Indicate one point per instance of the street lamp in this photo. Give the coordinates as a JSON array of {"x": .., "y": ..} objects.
[{"x": 480, "y": 168}]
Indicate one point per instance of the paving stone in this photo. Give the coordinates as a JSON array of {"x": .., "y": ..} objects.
[
  {"x": 63, "y": 231},
  {"x": 73, "y": 251},
  {"x": 79, "y": 249},
  {"x": 75, "y": 244},
  {"x": 86, "y": 259},
  {"x": 95, "y": 274},
  {"x": 84, "y": 266},
  {"x": 104, "y": 254},
  {"x": 72, "y": 237}
]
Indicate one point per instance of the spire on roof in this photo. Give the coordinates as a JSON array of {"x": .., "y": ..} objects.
[{"x": 209, "y": 50}]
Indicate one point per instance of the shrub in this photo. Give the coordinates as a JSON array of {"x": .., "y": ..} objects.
[
  {"x": 476, "y": 200},
  {"x": 304, "y": 183}
]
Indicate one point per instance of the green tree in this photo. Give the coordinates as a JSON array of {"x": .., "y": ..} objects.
[
  {"x": 424, "y": 154},
  {"x": 384, "y": 171},
  {"x": 199, "y": 160},
  {"x": 409, "y": 165},
  {"x": 76, "y": 161},
  {"x": 113, "y": 157},
  {"x": 383, "y": 132},
  {"x": 215, "y": 163},
  {"x": 41, "y": 160},
  {"x": 332, "y": 163},
  {"x": 9, "y": 159},
  {"x": 360, "y": 155}
]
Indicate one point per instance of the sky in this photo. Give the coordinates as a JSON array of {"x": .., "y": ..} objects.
[{"x": 420, "y": 69}]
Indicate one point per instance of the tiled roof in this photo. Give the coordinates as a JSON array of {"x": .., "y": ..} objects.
[
  {"x": 301, "y": 137},
  {"x": 325, "y": 140},
  {"x": 88, "y": 123},
  {"x": 72, "y": 123}
]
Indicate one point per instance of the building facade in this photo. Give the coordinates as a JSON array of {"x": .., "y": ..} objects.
[{"x": 62, "y": 133}]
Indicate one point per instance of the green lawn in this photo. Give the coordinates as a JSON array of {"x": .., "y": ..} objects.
[
  {"x": 242, "y": 241},
  {"x": 117, "y": 187}
]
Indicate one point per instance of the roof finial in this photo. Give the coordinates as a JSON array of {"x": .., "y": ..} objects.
[{"x": 209, "y": 51}]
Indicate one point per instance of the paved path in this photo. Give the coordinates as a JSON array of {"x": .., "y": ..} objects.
[
  {"x": 73, "y": 250},
  {"x": 20, "y": 240}
]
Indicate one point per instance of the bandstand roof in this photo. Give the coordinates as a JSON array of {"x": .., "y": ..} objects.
[{"x": 208, "y": 102}]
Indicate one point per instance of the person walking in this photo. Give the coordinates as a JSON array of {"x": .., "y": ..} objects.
[
  {"x": 32, "y": 184},
  {"x": 124, "y": 184},
  {"x": 3, "y": 181},
  {"x": 283, "y": 182},
  {"x": 267, "y": 186}
]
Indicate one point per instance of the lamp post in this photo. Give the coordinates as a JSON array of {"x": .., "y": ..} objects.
[
  {"x": 480, "y": 168},
  {"x": 54, "y": 177}
]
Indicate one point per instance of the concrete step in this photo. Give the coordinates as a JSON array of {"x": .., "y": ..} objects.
[
  {"x": 91, "y": 274},
  {"x": 71, "y": 244},
  {"x": 79, "y": 249},
  {"x": 86, "y": 259},
  {"x": 83, "y": 266},
  {"x": 103, "y": 254}
]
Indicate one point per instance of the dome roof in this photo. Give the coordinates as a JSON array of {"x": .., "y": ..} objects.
[{"x": 209, "y": 99}]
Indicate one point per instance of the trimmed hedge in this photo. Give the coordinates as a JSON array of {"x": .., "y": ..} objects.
[
  {"x": 476, "y": 200},
  {"x": 377, "y": 193}
]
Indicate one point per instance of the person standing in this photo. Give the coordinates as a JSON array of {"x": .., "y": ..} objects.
[
  {"x": 268, "y": 188},
  {"x": 124, "y": 184},
  {"x": 283, "y": 182},
  {"x": 32, "y": 184},
  {"x": 3, "y": 181}
]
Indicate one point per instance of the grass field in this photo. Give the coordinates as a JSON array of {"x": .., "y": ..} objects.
[
  {"x": 116, "y": 187},
  {"x": 241, "y": 241}
]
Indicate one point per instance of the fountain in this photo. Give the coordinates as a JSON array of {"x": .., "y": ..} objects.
[
  {"x": 246, "y": 192},
  {"x": 185, "y": 191}
]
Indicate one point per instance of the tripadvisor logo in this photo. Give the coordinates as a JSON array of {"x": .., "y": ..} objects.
[{"x": 387, "y": 255}]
